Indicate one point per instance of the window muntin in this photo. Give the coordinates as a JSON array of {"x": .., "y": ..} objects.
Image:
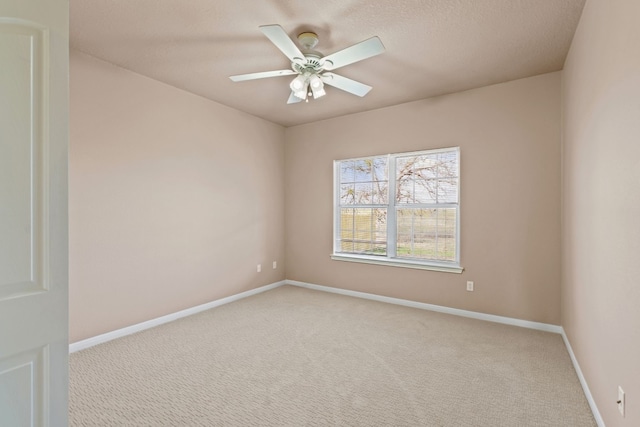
[{"x": 414, "y": 219}]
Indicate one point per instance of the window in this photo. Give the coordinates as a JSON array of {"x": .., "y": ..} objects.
[{"x": 399, "y": 209}]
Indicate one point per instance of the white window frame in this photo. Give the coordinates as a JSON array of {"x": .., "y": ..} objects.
[{"x": 391, "y": 258}]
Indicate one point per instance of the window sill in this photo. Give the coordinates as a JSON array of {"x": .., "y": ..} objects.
[{"x": 403, "y": 263}]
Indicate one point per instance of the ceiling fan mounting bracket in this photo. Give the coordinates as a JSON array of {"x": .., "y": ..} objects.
[{"x": 308, "y": 40}]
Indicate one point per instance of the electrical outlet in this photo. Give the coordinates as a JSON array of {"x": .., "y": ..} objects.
[
  {"x": 259, "y": 268},
  {"x": 275, "y": 265},
  {"x": 621, "y": 400},
  {"x": 470, "y": 286}
]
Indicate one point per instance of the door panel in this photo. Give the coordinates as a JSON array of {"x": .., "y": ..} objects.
[
  {"x": 22, "y": 387},
  {"x": 22, "y": 128}
]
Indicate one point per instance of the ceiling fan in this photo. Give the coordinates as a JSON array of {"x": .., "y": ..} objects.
[{"x": 312, "y": 69}]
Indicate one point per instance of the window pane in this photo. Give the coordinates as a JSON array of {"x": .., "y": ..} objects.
[
  {"x": 380, "y": 181},
  {"x": 446, "y": 248},
  {"x": 346, "y": 246},
  {"x": 380, "y": 227},
  {"x": 426, "y": 234},
  {"x": 347, "y": 194},
  {"x": 447, "y": 190},
  {"x": 404, "y": 190},
  {"x": 380, "y": 169},
  {"x": 425, "y": 166},
  {"x": 380, "y": 193},
  {"x": 347, "y": 171},
  {"x": 426, "y": 191},
  {"x": 363, "y": 231},
  {"x": 448, "y": 164},
  {"x": 346, "y": 224},
  {"x": 364, "y": 193},
  {"x": 364, "y": 170}
]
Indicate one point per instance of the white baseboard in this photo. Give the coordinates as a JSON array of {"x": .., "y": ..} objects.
[
  {"x": 90, "y": 342},
  {"x": 431, "y": 307},
  {"x": 583, "y": 382}
]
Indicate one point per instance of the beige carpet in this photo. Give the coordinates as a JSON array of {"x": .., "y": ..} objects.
[{"x": 296, "y": 357}]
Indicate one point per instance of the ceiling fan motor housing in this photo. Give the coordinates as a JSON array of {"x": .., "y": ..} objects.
[{"x": 312, "y": 64}]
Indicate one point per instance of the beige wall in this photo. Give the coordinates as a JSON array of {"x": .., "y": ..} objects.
[
  {"x": 601, "y": 203},
  {"x": 174, "y": 199},
  {"x": 509, "y": 136}
]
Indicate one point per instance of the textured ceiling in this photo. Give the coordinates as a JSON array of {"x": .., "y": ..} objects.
[{"x": 433, "y": 47}]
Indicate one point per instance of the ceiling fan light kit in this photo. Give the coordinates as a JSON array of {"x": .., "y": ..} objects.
[
  {"x": 299, "y": 86},
  {"x": 312, "y": 68}
]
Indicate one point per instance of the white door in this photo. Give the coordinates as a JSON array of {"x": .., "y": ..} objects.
[{"x": 34, "y": 58}]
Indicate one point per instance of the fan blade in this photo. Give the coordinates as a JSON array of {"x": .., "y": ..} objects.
[
  {"x": 262, "y": 75},
  {"x": 357, "y": 52},
  {"x": 279, "y": 37},
  {"x": 345, "y": 84},
  {"x": 293, "y": 99}
]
